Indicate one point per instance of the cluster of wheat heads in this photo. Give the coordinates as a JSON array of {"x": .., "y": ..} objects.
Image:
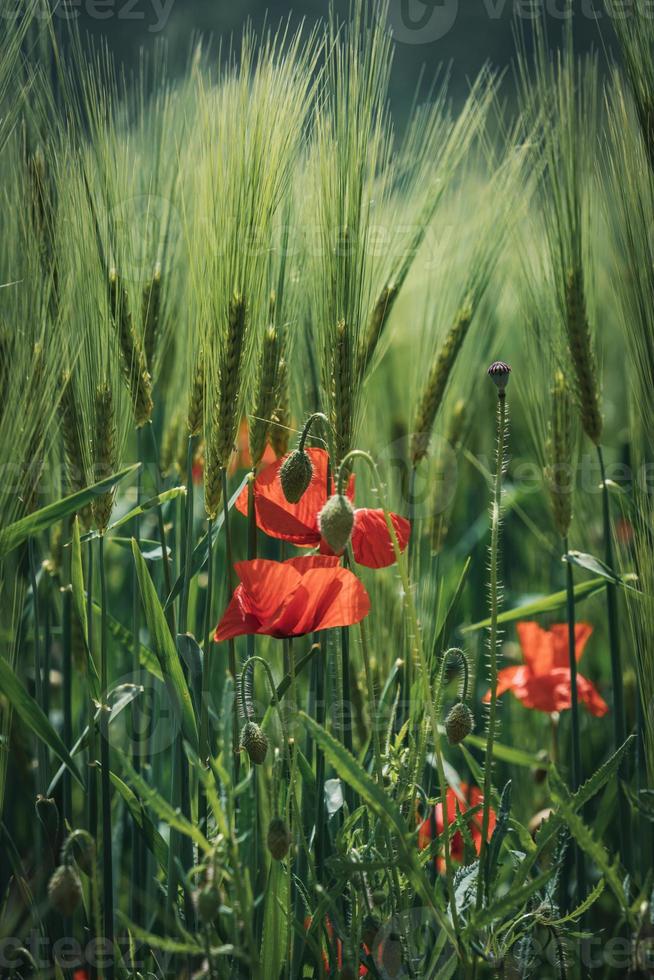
[{"x": 245, "y": 330}]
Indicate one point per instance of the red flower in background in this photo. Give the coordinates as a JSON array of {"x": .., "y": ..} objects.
[
  {"x": 291, "y": 598},
  {"x": 298, "y": 523},
  {"x": 459, "y": 800},
  {"x": 543, "y": 681}
]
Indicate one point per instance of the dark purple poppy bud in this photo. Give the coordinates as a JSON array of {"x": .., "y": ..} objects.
[{"x": 499, "y": 373}]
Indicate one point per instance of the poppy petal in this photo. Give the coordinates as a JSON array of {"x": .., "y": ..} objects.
[
  {"x": 296, "y": 523},
  {"x": 559, "y": 633},
  {"x": 371, "y": 543},
  {"x": 537, "y": 647},
  {"x": 506, "y": 680},
  {"x": 588, "y": 693},
  {"x": 235, "y": 621}
]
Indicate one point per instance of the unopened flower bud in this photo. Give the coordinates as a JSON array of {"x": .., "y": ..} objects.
[
  {"x": 458, "y": 723},
  {"x": 279, "y": 838},
  {"x": 295, "y": 475},
  {"x": 336, "y": 521},
  {"x": 254, "y": 741},
  {"x": 65, "y": 890},
  {"x": 499, "y": 373}
]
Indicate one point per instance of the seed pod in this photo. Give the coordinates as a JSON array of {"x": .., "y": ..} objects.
[
  {"x": 279, "y": 838},
  {"x": 208, "y": 903},
  {"x": 499, "y": 372},
  {"x": 255, "y": 742},
  {"x": 82, "y": 849},
  {"x": 295, "y": 475},
  {"x": 48, "y": 814},
  {"x": 458, "y": 723},
  {"x": 65, "y": 890},
  {"x": 434, "y": 391},
  {"x": 336, "y": 521}
]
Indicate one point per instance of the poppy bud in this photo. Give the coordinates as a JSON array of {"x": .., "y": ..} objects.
[
  {"x": 458, "y": 723},
  {"x": 254, "y": 742},
  {"x": 336, "y": 521},
  {"x": 65, "y": 890},
  {"x": 499, "y": 373},
  {"x": 208, "y": 903},
  {"x": 279, "y": 838},
  {"x": 378, "y": 897},
  {"x": 295, "y": 475},
  {"x": 48, "y": 814},
  {"x": 82, "y": 849}
]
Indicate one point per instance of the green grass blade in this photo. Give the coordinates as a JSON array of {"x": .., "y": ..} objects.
[
  {"x": 547, "y": 604},
  {"x": 164, "y": 647},
  {"x": 31, "y": 714},
  {"x": 18, "y": 532}
]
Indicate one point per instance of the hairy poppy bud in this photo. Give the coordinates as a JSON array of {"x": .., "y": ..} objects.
[
  {"x": 458, "y": 723},
  {"x": 48, "y": 814},
  {"x": 336, "y": 521},
  {"x": 254, "y": 742},
  {"x": 65, "y": 890},
  {"x": 499, "y": 373},
  {"x": 82, "y": 847},
  {"x": 208, "y": 902},
  {"x": 279, "y": 838},
  {"x": 378, "y": 897},
  {"x": 295, "y": 475}
]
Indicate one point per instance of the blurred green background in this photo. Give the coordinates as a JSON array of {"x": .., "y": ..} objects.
[{"x": 462, "y": 33}]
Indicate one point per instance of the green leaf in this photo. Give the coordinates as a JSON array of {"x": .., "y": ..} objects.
[
  {"x": 601, "y": 776},
  {"x": 583, "y": 907},
  {"x": 597, "y": 567},
  {"x": 28, "y": 527},
  {"x": 506, "y": 753},
  {"x": 585, "y": 837},
  {"x": 546, "y": 604},
  {"x": 148, "y": 831},
  {"x": 79, "y": 606},
  {"x": 117, "y": 700},
  {"x": 509, "y": 902},
  {"x": 31, "y": 714},
  {"x": 152, "y": 502},
  {"x": 379, "y": 801},
  {"x": 201, "y": 550},
  {"x": 274, "y": 941},
  {"x": 158, "y": 942},
  {"x": 151, "y": 550},
  {"x": 164, "y": 647},
  {"x": 150, "y": 797}
]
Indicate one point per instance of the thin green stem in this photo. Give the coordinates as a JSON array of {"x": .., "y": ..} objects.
[
  {"x": 138, "y": 851},
  {"x": 205, "y": 747},
  {"x": 107, "y": 858},
  {"x": 619, "y": 724},
  {"x": 494, "y": 611},
  {"x": 188, "y": 538},
  {"x": 577, "y": 775}
]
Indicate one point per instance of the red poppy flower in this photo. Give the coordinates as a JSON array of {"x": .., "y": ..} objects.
[
  {"x": 543, "y": 681},
  {"x": 308, "y": 922},
  {"x": 294, "y": 597},
  {"x": 458, "y": 800},
  {"x": 298, "y": 523}
]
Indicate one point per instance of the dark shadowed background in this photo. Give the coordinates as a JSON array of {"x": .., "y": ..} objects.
[{"x": 462, "y": 33}]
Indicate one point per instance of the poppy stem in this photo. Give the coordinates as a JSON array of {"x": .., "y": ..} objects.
[
  {"x": 494, "y": 610},
  {"x": 205, "y": 748},
  {"x": 307, "y": 426},
  {"x": 417, "y": 651},
  {"x": 619, "y": 724},
  {"x": 230, "y": 643},
  {"x": 577, "y": 776},
  {"x": 188, "y": 538}
]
